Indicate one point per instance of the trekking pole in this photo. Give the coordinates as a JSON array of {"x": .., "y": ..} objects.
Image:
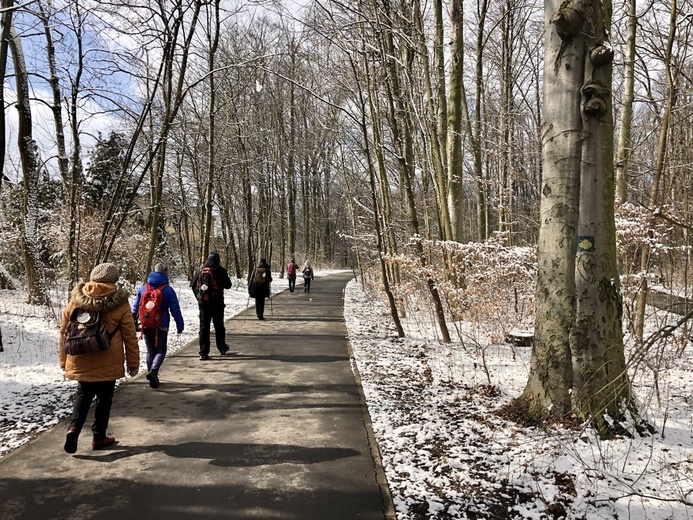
[{"x": 271, "y": 308}]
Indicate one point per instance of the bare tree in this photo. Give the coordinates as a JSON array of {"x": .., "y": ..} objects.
[
  {"x": 29, "y": 157},
  {"x": 672, "y": 74},
  {"x": 624, "y": 148},
  {"x": 7, "y": 11},
  {"x": 578, "y": 364},
  {"x": 213, "y": 28}
]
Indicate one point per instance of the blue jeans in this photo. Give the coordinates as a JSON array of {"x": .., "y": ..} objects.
[
  {"x": 86, "y": 391},
  {"x": 156, "y": 341}
]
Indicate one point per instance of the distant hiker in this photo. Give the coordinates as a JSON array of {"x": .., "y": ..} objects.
[
  {"x": 97, "y": 301},
  {"x": 151, "y": 309},
  {"x": 291, "y": 271},
  {"x": 208, "y": 286},
  {"x": 259, "y": 287},
  {"x": 308, "y": 275}
]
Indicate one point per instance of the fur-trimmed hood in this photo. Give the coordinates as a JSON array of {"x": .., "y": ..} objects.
[
  {"x": 105, "y": 365},
  {"x": 99, "y": 296}
]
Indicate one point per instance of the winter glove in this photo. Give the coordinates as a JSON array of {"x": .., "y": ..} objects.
[{"x": 133, "y": 371}]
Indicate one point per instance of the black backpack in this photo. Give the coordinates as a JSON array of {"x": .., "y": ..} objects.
[
  {"x": 86, "y": 333},
  {"x": 206, "y": 287}
]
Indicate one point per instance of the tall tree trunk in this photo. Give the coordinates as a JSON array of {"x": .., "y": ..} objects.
[
  {"x": 551, "y": 377},
  {"x": 28, "y": 155},
  {"x": 475, "y": 132},
  {"x": 454, "y": 117},
  {"x": 4, "y": 43},
  {"x": 601, "y": 389},
  {"x": 436, "y": 122},
  {"x": 369, "y": 154},
  {"x": 505, "y": 185},
  {"x": 76, "y": 166},
  {"x": 624, "y": 149},
  {"x": 187, "y": 249},
  {"x": 578, "y": 362},
  {"x": 291, "y": 167},
  {"x": 56, "y": 108},
  {"x": 213, "y": 28},
  {"x": 672, "y": 74},
  {"x": 402, "y": 133}
]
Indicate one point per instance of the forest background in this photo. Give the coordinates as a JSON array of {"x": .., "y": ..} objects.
[{"x": 400, "y": 137}]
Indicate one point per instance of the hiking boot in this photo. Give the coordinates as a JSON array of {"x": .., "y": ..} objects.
[
  {"x": 204, "y": 357},
  {"x": 153, "y": 378},
  {"x": 102, "y": 443},
  {"x": 225, "y": 350},
  {"x": 71, "y": 440}
]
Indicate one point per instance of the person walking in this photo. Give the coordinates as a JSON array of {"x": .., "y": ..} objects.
[
  {"x": 208, "y": 286},
  {"x": 96, "y": 372},
  {"x": 154, "y": 303},
  {"x": 291, "y": 271},
  {"x": 259, "y": 287},
  {"x": 308, "y": 275}
]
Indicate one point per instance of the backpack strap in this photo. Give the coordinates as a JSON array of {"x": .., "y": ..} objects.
[{"x": 115, "y": 331}]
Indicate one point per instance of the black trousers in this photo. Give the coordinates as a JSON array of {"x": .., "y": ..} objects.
[
  {"x": 86, "y": 391},
  {"x": 212, "y": 314},
  {"x": 306, "y": 285},
  {"x": 292, "y": 283},
  {"x": 260, "y": 307}
]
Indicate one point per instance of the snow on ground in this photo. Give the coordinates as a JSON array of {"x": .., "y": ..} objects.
[
  {"x": 34, "y": 395},
  {"x": 447, "y": 453}
]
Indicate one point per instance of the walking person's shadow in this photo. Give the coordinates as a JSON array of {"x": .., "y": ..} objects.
[{"x": 229, "y": 454}]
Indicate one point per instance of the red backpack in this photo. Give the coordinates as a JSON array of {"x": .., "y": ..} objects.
[
  {"x": 291, "y": 269},
  {"x": 206, "y": 288},
  {"x": 150, "y": 307}
]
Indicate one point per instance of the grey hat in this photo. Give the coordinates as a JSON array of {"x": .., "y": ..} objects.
[
  {"x": 105, "y": 273},
  {"x": 161, "y": 268}
]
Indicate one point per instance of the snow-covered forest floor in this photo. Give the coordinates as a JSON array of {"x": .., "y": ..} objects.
[{"x": 447, "y": 451}]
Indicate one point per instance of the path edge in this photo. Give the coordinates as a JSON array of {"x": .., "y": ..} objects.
[{"x": 380, "y": 477}]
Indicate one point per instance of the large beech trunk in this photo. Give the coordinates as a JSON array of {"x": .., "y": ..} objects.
[{"x": 578, "y": 368}]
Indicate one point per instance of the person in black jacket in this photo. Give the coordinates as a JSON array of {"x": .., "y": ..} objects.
[
  {"x": 308, "y": 275},
  {"x": 259, "y": 287},
  {"x": 212, "y": 305}
]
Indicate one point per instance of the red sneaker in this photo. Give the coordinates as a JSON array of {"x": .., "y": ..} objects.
[{"x": 102, "y": 443}]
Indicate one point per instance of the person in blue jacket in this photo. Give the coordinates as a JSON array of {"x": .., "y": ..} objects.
[{"x": 155, "y": 338}]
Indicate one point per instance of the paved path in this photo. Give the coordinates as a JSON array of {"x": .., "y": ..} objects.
[{"x": 277, "y": 431}]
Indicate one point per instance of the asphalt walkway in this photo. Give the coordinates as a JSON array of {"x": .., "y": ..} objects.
[{"x": 278, "y": 430}]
